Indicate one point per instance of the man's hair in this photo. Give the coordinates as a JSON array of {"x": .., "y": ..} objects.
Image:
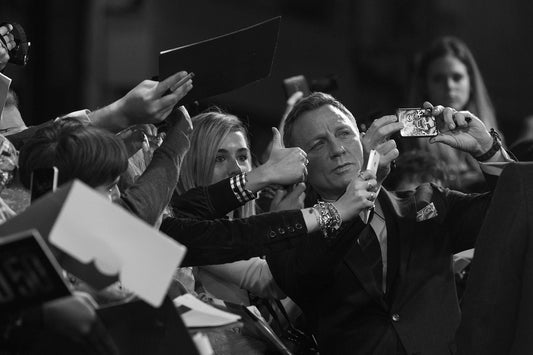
[
  {"x": 87, "y": 153},
  {"x": 417, "y": 166},
  {"x": 310, "y": 103}
]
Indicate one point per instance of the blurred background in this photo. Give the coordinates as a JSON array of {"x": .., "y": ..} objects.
[{"x": 86, "y": 54}]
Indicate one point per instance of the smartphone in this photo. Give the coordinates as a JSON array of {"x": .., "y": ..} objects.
[
  {"x": 42, "y": 181},
  {"x": 371, "y": 165},
  {"x": 417, "y": 122},
  {"x": 296, "y": 83}
]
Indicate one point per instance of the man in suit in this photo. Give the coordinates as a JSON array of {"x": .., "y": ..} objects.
[{"x": 386, "y": 287}]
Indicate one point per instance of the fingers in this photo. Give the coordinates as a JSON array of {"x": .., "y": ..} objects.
[
  {"x": 187, "y": 78},
  {"x": 366, "y": 175},
  {"x": 294, "y": 98},
  {"x": 388, "y": 151},
  {"x": 298, "y": 189},
  {"x": 165, "y": 85},
  {"x": 278, "y": 196},
  {"x": 382, "y": 128},
  {"x": 5, "y": 29},
  {"x": 168, "y": 102},
  {"x": 276, "y": 139}
]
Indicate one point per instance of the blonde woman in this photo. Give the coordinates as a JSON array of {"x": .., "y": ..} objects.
[{"x": 220, "y": 149}]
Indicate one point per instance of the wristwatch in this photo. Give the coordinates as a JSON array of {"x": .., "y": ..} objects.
[{"x": 496, "y": 146}]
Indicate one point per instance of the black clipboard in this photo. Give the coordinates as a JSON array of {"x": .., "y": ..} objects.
[
  {"x": 224, "y": 63},
  {"x": 29, "y": 273},
  {"x": 138, "y": 328}
]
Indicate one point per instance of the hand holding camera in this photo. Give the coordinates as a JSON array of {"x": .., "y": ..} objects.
[{"x": 14, "y": 45}]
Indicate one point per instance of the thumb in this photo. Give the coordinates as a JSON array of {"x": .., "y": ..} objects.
[
  {"x": 298, "y": 190},
  {"x": 280, "y": 194},
  {"x": 276, "y": 140}
]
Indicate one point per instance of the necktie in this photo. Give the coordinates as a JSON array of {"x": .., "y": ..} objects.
[{"x": 369, "y": 243}]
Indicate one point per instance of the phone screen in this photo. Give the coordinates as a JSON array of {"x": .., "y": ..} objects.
[
  {"x": 417, "y": 122},
  {"x": 43, "y": 181}
]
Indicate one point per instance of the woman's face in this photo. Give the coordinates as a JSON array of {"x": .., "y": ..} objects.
[
  {"x": 232, "y": 158},
  {"x": 448, "y": 82}
]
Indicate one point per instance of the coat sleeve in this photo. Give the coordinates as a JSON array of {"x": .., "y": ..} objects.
[
  {"x": 152, "y": 191},
  {"x": 221, "y": 241}
]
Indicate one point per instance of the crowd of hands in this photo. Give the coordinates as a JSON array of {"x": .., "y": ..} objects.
[{"x": 151, "y": 102}]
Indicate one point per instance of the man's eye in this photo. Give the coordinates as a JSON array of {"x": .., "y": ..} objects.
[
  {"x": 317, "y": 145},
  {"x": 344, "y": 133}
]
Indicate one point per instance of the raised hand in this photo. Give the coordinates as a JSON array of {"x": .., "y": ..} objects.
[
  {"x": 148, "y": 102},
  {"x": 461, "y": 130},
  {"x": 285, "y": 166},
  {"x": 359, "y": 195},
  {"x": 136, "y": 137},
  {"x": 7, "y": 43},
  {"x": 378, "y": 137}
]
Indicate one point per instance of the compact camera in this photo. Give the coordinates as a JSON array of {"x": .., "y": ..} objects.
[{"x": 19, "y": 54}]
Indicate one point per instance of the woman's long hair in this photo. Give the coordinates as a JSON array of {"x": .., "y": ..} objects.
[
  {"x": 210, "y": 130},
  {"x": 479, "y": 102}
]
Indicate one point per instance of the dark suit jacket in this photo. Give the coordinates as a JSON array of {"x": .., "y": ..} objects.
[
  {"x": 200, "y": 224},
  {"x": 335, "y": 288},
  {"x": 497, "y": 305}
]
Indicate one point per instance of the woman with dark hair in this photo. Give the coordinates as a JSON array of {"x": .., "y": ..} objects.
[{"x": 446, "y": 74}]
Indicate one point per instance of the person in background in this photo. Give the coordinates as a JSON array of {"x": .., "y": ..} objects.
[
  {"x": 414, "y": 168},
  {"x": 447, "y": 74},
  {"x": 11, "y": 121}
]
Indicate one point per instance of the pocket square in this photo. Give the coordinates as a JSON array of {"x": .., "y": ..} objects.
[{"x": 426, "y": 213}]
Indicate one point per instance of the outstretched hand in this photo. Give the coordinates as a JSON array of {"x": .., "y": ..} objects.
[
  {"x": 136, "y": 137},
  {"x": 148, "y": 102},
  {"x": 461, "y": 130}
]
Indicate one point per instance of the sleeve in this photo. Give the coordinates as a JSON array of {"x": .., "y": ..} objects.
[
  {"x": 221, "y": 241},
  {"x": 252, "y": 275},
  {"x": 152, "y": 191},
  {"x": 213, "y": 201},
  {"x": 465, "y": 215}
]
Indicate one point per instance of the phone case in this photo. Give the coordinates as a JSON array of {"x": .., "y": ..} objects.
[{"x": 418, "y": 122}]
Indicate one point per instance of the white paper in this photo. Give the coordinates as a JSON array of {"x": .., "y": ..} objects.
[
  {"x": 202, "y": 314},
  {"x": 91, "y": 228},
  {"x": 5, "y": 82},
  {"x": 202, "y": 344}
]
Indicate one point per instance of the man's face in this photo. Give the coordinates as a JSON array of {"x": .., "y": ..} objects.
[{"x": 332, "y": 143}]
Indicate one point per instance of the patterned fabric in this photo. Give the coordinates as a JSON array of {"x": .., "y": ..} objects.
[
  {"x": 8, "y": 161},
  {"x": 238, "y": 183}
]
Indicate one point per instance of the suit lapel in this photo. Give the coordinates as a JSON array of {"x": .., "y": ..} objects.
[
  {"x": 356, "y": 261},
  {"x": 399, "y": 214}
]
